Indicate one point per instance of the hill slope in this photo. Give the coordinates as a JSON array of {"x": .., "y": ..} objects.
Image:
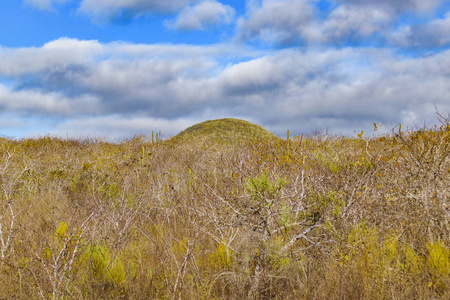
[{"x": 224, "y": 130}]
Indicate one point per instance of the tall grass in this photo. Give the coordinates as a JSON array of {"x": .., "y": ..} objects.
[{"x": 309, "y": 218}]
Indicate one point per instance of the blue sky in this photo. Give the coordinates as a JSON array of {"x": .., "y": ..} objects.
[{"x": 115, "y": 69}]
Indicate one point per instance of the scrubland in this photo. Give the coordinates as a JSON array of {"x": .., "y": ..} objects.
[{"x": 319, "y": 217}]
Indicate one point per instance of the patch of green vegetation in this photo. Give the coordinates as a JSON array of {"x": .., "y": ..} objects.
[{"x": 224, "y": 130}]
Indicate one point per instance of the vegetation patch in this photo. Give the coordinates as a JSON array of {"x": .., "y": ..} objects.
[
  {"x": 224, "y": 130},
  {"x": 301, "y": 218}
]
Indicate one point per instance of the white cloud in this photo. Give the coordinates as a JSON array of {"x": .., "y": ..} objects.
[
  {"x": 355, "y": 21},
  {"x": 43, "y": 4},
  {"x": 401, "y": 36},
  {"x": 282, "y": 21},
  {"x": 440, "y": 28},
  {"x": 192, "y": 14},
  {"x": 435, "y": 33},
  {"x": 45, "y": 103},
  {"x": 296, "y": 21},
  {"x": 203, "y": 15},
  {"x": 371, "y": 21},
  {"x": 134, "y": 89},
  {"x": 55, "y": 54},
  {"x": 421, "y": 6},
  {"x": 108, "y": 10}
]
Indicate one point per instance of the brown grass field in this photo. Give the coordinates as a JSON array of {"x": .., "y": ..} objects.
[{"x": 315, "y": 217}]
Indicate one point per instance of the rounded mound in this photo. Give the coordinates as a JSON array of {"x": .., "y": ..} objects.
[{"x": 225, "y": 130}]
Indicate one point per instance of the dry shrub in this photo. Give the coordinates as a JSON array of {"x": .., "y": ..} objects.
[{"x": 322, "y": 217}]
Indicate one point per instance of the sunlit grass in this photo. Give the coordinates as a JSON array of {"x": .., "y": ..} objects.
[
  {"x": 224, "y": 130},
  {"x": 218, "y": 214}
]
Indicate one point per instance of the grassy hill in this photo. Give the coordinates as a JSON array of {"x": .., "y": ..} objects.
[{"x": 224, "y": 130}]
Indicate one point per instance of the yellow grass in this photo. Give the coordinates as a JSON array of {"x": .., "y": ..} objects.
[{"x": 265, "y": 218}]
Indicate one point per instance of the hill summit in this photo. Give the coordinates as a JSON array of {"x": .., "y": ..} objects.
[{"x": 225, "y": 130}]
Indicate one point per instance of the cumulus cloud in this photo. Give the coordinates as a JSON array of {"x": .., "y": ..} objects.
[
  {"x": 440, "y": 30},
  {"x": 294, "y": 21},
  {"x": 350, "y": 21},
  {"x": 202, "y": 15},
  {"x": 340, "y": 89},
  {"x": 52, "y": 55},
  {"x": 107, "y": 10},
  {"x": 421, "y": 6},
  {"x": 32, "y": 102},
  {"x": 300, "y": 22},
  {"x": 289, "y": 22},
  {"x": 283, "y": 21},
  {"x": 118, "y": 90},
  {"x": 432, "y": 34},
  {"x": 43, "y": 4}
]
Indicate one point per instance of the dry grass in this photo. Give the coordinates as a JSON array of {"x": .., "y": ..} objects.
[{"x": 309, "y": 218}]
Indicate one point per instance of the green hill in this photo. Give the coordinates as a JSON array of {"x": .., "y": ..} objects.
[{"x": 224, "y": 130}]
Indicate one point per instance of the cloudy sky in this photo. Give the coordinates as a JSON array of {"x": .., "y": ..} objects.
[{"x": 118, "y": 68}]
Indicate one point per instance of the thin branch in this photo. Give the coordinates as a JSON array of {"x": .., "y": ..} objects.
[{"x": 303, "y": 234}]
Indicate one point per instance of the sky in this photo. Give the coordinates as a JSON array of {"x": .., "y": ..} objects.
[{"x": 114, "y": 69}]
